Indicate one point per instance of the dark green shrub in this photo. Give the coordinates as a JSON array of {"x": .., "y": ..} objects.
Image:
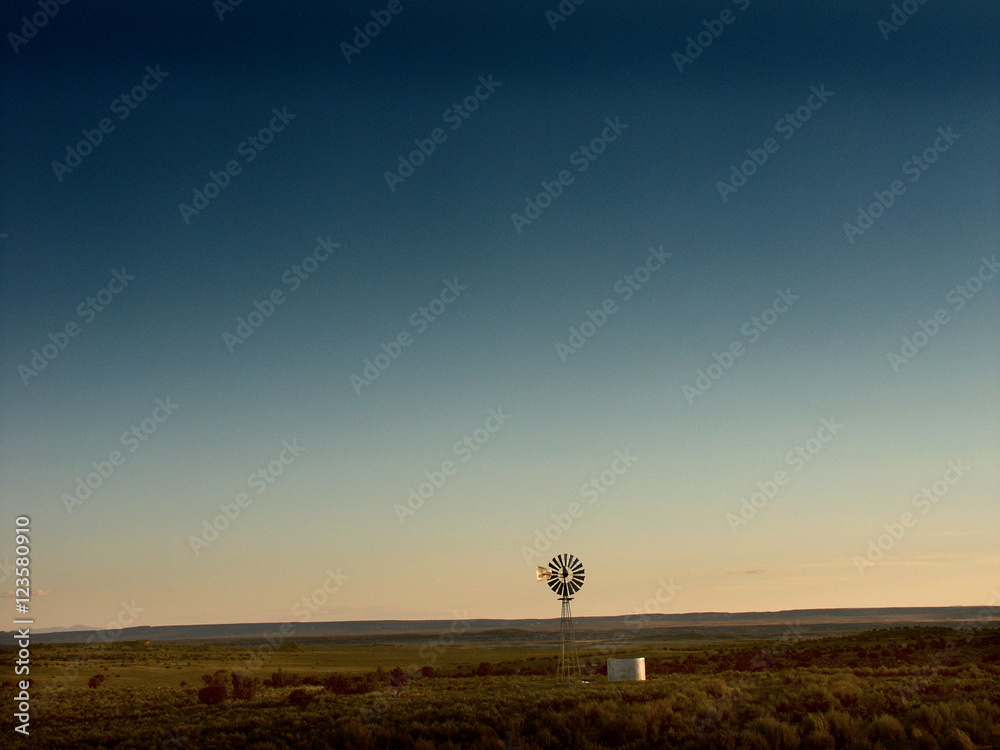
[
  {"x": 283, "y": 679},
  {"x": 886, "y": 729},
  {"x": 339, "y": 684},
  {"x": 818, "y": 699},
  {"x": 779, "y": 735},
  {"x": 244, "y": 686},
  {"x": 219, "y": 678},
  {"x": 750, "y": 740},
  {"x": 212, "y": 695},
  {"x": 956, "y": 739},
  {"x": 930, "y": 718},
  {"x": 844, "y": 728},
  {"x": 374, "y": 680},
  {"x": 300, "y": 697},
  {"x": 923, "y": 741},
  {"x": 818, "y": 739},
  {"x": 723, "y": 739},
  {"x": 398, "y": 677}
]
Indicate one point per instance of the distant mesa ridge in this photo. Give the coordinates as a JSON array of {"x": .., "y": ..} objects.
[{"x": 703, "y": 624}]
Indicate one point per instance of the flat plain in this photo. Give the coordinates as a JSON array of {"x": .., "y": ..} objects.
[{"x": 895, "y": 687}]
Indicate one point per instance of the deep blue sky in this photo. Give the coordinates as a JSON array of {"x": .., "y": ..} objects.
[{"x": 494, "y": 347}]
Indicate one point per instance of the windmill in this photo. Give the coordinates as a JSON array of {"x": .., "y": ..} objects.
[{"x": 565, "y": 576}]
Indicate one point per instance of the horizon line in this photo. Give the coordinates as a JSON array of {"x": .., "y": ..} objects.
[{"x": 89, "y": 629}]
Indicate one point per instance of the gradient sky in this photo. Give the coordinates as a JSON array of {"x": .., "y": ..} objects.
[{"x": 494, "y": 347}]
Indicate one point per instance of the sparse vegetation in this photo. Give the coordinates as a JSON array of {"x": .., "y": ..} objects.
[{"x": 930, "y": 688}]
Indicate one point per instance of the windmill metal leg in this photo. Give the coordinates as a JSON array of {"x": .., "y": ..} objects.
[{"x": 569, "y": 658}]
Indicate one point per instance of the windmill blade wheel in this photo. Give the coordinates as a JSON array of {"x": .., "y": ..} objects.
[{"x": 566, "y": 576}]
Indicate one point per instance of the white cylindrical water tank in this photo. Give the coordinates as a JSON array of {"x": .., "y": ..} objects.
[{"x": 627, "y": 670}]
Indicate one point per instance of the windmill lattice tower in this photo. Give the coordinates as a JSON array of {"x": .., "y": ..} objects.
[{"x": 565, "y": 576}]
